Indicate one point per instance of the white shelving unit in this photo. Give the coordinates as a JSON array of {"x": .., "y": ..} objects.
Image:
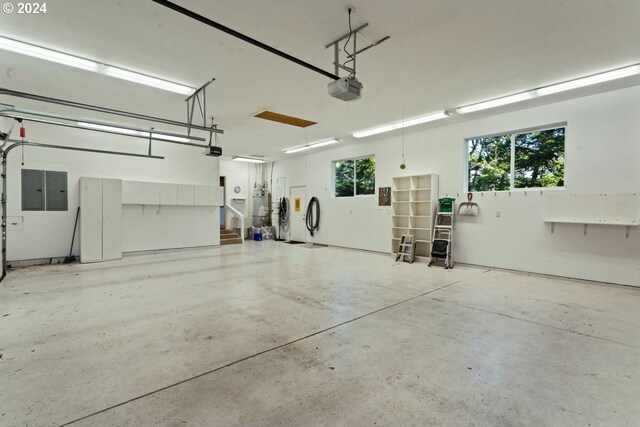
[{"x": 413, "y": 201}]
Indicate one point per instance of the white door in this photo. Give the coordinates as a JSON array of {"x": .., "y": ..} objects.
[{"x": 298, "y": 227}]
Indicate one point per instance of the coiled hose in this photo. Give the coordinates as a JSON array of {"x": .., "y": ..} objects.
[
  {"x": 313, "y": 221},
  {"x": 283, "y": 214}
]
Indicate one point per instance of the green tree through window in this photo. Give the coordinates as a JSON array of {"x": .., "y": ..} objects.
[
  {"x": 355, "y": 177},
  {"x": 538, "y": 162}
]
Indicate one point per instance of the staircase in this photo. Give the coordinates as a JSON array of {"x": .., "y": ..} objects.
[{"x": 229, "y": 237}]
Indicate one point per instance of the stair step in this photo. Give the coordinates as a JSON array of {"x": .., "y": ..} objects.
[{"x": 230, "y": 241}]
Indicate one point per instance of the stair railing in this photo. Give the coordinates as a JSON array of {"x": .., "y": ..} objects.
[{"x": 241, "y": 216}]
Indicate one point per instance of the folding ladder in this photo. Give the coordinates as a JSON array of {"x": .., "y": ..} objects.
[
  {"x": 442, "y": 242},
  {"x": 406, "y": 249}
]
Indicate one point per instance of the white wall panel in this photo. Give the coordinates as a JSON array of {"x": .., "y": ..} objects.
[{"x": 150, "y": 193}]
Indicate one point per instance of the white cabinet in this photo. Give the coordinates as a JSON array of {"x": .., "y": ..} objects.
[
  {"x": 100, "y": 219},
  {"x": 131, "y": 192},
  {"x": 414, "y": 200},
  {"x": 150, "y": 193},
  {"x": 169, "y": 194},
  {"x": 201, "y": 195},
  {"x": 185, "y": 195}
]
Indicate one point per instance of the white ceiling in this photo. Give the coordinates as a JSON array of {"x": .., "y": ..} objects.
[{"x": 441, "y": 55}]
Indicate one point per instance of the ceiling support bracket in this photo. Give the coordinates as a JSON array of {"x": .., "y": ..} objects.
[
  {"x": 337, "y": 64},
  {"x": 200, "y": 97}
]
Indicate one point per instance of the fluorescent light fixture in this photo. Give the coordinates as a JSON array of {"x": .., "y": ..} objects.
[
  {"x": 551, "y": 89},
  {"x": 48, "y": 55},
  {"x": 296, "y": 150},
  {"x": 312, "y": 145},
  {"x": 146, "y": 80},
  {"x": 518, "y": 97},
  {"x": 169, "y": 137},
  {"x": 247, "y": 159},
  {"x": 113, "y": 129},
  {"x": 403, "y": 124},
  {"x": 591, "y": 80},
  {"x": 133, "y": 132},
  {"x": 86, "y": 64},
  {"x": 323, "y": 143}
]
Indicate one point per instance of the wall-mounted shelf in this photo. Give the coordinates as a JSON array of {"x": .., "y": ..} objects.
[{"x": 593, "y": 209}]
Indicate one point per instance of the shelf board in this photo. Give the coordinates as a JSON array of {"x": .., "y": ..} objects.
[
  {"x": 401, "y": 201},
  {"x": 400, "y": 216},
  {"x": 568, "y": 221},
  {"x": 421, "y": 201},
  {"x": 423, "y": 241},
  {"x": 421, "y": 189},
  {"x": 418, "y": 228},
  {"x": 400, "y": 191}
]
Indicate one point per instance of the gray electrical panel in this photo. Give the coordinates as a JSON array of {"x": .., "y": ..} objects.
[
  {"x": 32, "y": 190},
  {"x": 56, "y": 183}
]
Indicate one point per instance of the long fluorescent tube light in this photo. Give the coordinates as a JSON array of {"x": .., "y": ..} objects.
[
  {"x": 134, "y": 132},
  {"x": 89, "y": 65},
  {"x": 551, "y": 89},
  {"x": 311, "y": 145},
  {"x": 247, "y": 159},
  {"x": 402, "y": 124},
  {"x": 495, "y": 103},
  {"x": 591, "y": 80},
  {"x": 296, "y": 150}
]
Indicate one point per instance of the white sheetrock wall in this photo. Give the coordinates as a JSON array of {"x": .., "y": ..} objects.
[
  {"x": 48, "y": 234},
  {"x": 602, "y": 156}
]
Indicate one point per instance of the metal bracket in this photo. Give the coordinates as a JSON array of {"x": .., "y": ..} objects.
[
  {"x": 202, "y": 105},
  {"x": 337, "y": 65}
]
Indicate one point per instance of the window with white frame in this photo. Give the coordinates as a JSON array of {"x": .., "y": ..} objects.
[
  {"x": 354, "y": 177},
  {"x": 516, "y": 160}
]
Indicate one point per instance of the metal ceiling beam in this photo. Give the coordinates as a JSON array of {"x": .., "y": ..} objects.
[
  {"x": 7, "y": 108},
  {"x": 106, "y": 110},
  {"x": 243, "y": 37}
]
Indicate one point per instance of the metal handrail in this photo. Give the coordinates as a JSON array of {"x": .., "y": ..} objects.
[{"x": 236, "y": 212}]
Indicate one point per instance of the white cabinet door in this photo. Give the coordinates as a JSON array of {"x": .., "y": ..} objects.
[
  {"x": 201, "y": 195},
  {"x": 169, "y": 194},
  {"x": 185, "y": 195},
  {"x": 111, "y": 219},
  {"x": 131, "y": 192},
  {"x": 150, "y": 193},
  {"x": 91, "y": 219}
]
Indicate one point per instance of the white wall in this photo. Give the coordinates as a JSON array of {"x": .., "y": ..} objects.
[
  {"x": 48, "y": 234},
  {"x": 602, "y": 156}
]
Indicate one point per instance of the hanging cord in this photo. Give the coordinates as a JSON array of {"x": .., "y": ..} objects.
[
  {"x": 23, "y": 134},
  {"x": 352, "y": 73},
  {"x": 313, "y": 221}
]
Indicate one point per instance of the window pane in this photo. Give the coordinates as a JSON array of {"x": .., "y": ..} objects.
[
  {"x": 366, "y": 176},
  {"x": 540, "y": 159},
  {"x": 344, "y": 178},
  {"x": 489, "y": 163}
]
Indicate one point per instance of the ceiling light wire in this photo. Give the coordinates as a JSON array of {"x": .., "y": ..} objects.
[{"x": 344, "y": 48}]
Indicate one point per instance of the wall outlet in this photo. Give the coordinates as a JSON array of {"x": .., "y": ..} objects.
[{"x": 498, "y": 213}]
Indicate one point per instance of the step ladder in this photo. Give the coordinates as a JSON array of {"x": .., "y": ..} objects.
[
  {"x": 406, "y": 249},
  {"x": 442, "y": 242}
]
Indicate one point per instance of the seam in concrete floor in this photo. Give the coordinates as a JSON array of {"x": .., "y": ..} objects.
[
  {"x": 269, "y": 350},
  {"x": 536, "y": 323}
]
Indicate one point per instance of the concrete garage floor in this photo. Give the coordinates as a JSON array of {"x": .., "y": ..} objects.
[{"x": 274, "y": 334}]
